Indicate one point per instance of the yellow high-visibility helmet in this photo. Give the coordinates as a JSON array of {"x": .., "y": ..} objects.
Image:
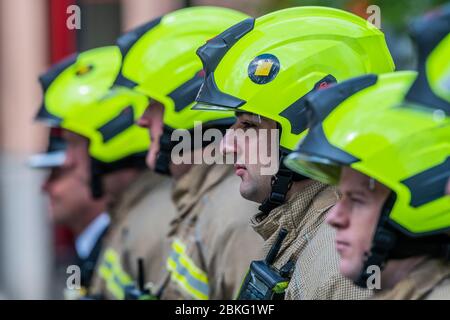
[{"x": 159, "y": 60}]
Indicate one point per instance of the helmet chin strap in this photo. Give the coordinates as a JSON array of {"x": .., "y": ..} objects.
[
  {"x": 281, "y": 184},
  {"x": 383, "y": 242},
  {"x": 96, "y": 184},
  {"x": 99, "y": 169},
  {"x": 165, "y": 150},
  {"x": 389, "y": 243},
  {"x": 163, "y": 158}
]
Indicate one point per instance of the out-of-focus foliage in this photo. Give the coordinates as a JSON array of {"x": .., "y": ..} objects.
[
  {"x": 395, "y": 16},
  {"x": 394, "y": 13}
]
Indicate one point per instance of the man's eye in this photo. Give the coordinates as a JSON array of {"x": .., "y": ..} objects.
[
  {"x": 247, "y": 125},
  {"x": 357, "y": 200}
]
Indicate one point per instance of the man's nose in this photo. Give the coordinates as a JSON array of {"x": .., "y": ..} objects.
[
  {"x": 45, "y": 186},
  {"x": 143, "y": 122},
  {"x": 337, "y": 216},
  {"x": 228, "y": 145}
]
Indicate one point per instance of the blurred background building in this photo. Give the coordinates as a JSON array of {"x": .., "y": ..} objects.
[{"x": 33, "y": 34}]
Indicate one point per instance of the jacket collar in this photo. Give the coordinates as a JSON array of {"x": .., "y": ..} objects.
[
  {"x": 137, "y": 189},
  {"x": 191, "y": 187},
  {"x": 424, "y": 277},
  {"x": 300, "y": 216},
  {"x": 292, "y": 214}
]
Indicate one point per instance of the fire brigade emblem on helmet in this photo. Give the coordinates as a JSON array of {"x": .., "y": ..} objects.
[{"x": 264, "y": 68}]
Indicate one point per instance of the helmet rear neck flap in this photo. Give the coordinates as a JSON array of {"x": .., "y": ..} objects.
[
  {"x": 100, "y": 169},
  {"x": 183, "y": 97},
  {"x": 166, "y": 144}
]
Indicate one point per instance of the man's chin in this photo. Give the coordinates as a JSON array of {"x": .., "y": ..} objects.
[
  {"x": 150, "y": 162},
  {"x": 59, "y": 219},
  {"x": 349, "y": 270},
  {"x": 249, "y": 192}
]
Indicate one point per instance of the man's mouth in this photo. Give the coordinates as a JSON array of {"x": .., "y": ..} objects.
[
  {"x": 341, "y": 246},
  {"x": 239, "y": 170}
]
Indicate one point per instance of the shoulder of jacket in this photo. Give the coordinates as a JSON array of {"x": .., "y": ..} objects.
[
  {"x": 441, "y": 291},
  {"x": 326, "y": 199}
]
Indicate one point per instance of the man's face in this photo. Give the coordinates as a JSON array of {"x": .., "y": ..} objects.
[
  {"x": 255, "y": 186},
  {"x": 448, "y": 187},
  {"x": 355, "y": 217},
  {"x": 68, "y": 186},
  {"x": 152, "y": 119}
]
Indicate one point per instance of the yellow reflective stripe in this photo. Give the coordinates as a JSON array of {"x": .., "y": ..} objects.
[
  {"x": 111, "y": 283},
  {"x": 280, "y": 287},
  {"x": 178, "y": 246},
  {"x": 111, "y": 271},
  {"x": 186, "y": 261},
  {"x": 183, "y": 281},
  {"x": 193, "y": 270},
  {"x": 104, "y": 271},
  {"x": 185, "y": 273},
  {"x": 113, "y": 258}
]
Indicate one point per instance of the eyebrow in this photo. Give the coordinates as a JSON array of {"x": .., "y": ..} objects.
[
  {"x": 239, "y": 114},
  {"x": 250, "y": 117},
  {"x": 356, "y": 192}
]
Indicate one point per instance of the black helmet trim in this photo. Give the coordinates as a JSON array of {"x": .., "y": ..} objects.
[
  {"x": 128, "y": 39},
  {"x": 428, "y": 185},
  {"x": 213, "y": 51},
  {"x": 120, "y": 123},
  {"x": 46, "y": 80},
  {"x": 421, "y": 92},
  {"x": 185, "y": 94},
  {"x": 316, "y": 144},
  {"x": 124, "y": 82},
  {"x": 296, "y": 113},
  {"x": 44, "y": 115},
  {"x": 48, "y": 77},
  {"x": 322, "y": 102},
  {"x": 210, "y": 94},
  {"x": 428, "y": 30},
  {"x": 125, "y": 42},
  {"x": 210, "y": 54}
]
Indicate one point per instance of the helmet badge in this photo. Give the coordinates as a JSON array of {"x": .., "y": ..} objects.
[
  {"x": 83, "y": 69},
  {"x": 264, "y": 68}
]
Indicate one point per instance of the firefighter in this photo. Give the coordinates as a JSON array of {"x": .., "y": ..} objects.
[
  {"x": 391, "y": 166},
  {"x": 101, "y": 121},
  {"x": 82, "y": 214},
  {"x": 211, "y": 242},
  {"x": 264, "y": 76}
]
